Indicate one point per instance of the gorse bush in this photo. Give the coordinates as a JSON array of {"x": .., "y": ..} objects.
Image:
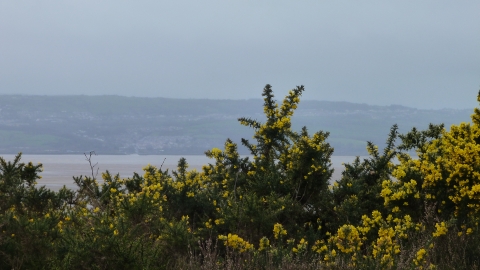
[{"x": 277, "y": 209}]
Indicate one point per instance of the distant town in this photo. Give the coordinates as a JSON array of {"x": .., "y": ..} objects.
[{"x": 130, "y": 125}]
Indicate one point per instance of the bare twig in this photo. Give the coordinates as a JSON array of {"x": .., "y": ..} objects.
[
  {"x": 162, "y": 163},
  {"x": 92, "y": 167}
]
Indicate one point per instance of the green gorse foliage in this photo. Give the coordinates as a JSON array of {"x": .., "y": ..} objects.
[{"x": 277, "y": 209}]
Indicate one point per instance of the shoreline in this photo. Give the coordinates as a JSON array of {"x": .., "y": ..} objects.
[{"x": 58, "y": 170}]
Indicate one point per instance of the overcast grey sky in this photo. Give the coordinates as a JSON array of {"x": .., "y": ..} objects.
[{"x": 424, "y": 54}]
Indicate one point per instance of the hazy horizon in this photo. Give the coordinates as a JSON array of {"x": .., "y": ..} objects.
[
  {"x": 278, "y": 98},
  {"x": 422, "y": 55}
]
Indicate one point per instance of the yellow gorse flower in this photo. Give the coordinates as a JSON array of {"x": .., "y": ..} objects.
[
  {"x": 441, "y": 229},
  {"x": 236, "y": 242},
  {"x": 278, "y": 230},
  {"x": 264, "y": 244}
]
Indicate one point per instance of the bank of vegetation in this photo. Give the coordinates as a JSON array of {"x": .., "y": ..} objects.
[{"x": 276, "y": 210}]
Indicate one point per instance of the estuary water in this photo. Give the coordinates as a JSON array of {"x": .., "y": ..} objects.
[{"x": 58, "y": 170}]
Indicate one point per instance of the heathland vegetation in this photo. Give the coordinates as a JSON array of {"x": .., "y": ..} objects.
[{"x": 277, "y": 210}]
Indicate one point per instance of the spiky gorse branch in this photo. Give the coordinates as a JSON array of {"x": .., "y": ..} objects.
[
  {"x": 16, "y": 172},
  {"x": 273, "y": 135},
  {"x": 302, "y": 161}
]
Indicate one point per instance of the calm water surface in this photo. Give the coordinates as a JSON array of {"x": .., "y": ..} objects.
[{"x": 58, "y": 170}]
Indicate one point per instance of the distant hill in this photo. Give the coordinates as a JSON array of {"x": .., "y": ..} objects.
[{"x": 133, "y": 125}]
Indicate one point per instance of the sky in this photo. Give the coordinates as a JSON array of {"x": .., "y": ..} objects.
[{"x": 423, "y": 54}]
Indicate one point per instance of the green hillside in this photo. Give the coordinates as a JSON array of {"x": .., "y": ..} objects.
[{"x": 128, "y": 125}]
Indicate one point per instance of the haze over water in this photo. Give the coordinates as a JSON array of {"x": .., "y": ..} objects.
[{"x": 58, "y": 170}]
